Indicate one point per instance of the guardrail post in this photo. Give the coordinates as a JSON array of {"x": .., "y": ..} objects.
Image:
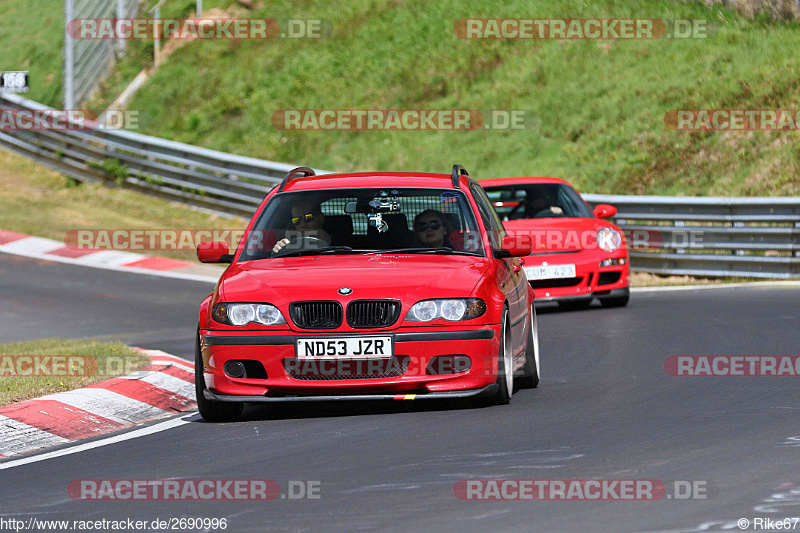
[
  {"x": 69, "y": 57},
  {"x": 121, "y": 43},
  {"x": 682, "y": 249},
  {"x": 739, "y": 225},
  {"x": 157, "y": 44},
  {"x": 796, "y": 252}
]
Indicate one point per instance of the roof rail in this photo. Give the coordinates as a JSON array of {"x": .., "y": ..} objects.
[
  {"x": 458, "y": 171},
  {"x": 305, "y": 171}
]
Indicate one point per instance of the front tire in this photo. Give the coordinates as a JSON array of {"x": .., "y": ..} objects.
[
  {"x": 505, "y": 365},
  {"x": 530, "y": 376},
  {"x": 209, "y": 410}
]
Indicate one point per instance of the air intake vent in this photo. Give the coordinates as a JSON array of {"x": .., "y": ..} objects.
[
  {"x": 372, "y": 313},
  {"x": 607, "y": 278},
  {"x": 552, "y": 283},
  {"x": 316, "y": 315}
]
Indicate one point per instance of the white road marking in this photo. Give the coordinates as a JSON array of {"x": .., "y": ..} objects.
[
  {"x": 718, "y": 286},
  {"x": 156, "y": 428},
  {"x": 110, "y": 257},
  {"x": 35, "y": 245}
]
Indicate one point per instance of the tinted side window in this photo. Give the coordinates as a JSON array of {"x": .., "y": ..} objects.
[{"x": 489, "y": 216}]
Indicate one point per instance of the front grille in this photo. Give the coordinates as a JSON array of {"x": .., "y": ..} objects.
[
  {"x": 372, "y": 313},
  {"x": 551, "y": 283},
  {"x": 340, "y": 369},
  {"x": 316, "y": 315},
  {"x": 607, "y": 278}
]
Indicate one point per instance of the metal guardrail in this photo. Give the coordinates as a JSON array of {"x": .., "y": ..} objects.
[
  {"x": 750, "y": 237},
  {"x": 710, "y": 236},
  {"x": 201, "y": 177}
]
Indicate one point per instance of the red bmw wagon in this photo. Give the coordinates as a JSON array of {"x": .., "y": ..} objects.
[{"x": 367, "y": 286}]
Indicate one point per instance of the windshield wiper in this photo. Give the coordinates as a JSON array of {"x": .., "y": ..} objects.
[
  {"x": 433, "y": 250},
  {"x": 318, "y": 251}
]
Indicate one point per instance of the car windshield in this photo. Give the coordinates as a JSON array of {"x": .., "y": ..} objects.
[
  {"x": 361, "y": 221},
  {"x": 540, "y": 200}
]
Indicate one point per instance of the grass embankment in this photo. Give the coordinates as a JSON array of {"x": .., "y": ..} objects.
[
  {"x": 599, "y": 106},
  {"x": 38, "y": 201},
  {"x": 92, "y": 362}
]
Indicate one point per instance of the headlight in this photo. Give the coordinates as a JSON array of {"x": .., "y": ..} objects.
[
  {"x": 608, "y": 239},
  {"x": 612, "y": 262},
  {"x": 424, "y": 311},
  {"x": 243, "y": 314},
  {"x": 450, "y": 309}
]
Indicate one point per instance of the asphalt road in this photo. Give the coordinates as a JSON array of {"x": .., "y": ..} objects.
[
  {"x": 605, "y": 409},
  {"x": 49, "y": 299}
]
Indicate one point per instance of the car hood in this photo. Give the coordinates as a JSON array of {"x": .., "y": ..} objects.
[
  {"x": 411, "y": 277},
  {"x": 550, "y": 235}
]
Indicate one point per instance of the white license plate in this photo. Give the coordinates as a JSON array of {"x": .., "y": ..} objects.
[
  {"x": 344, "y": 348},
  {"x": 550, "y": 272}
]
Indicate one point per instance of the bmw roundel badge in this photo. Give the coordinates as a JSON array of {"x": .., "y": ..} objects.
[{"x": 345, "y": 291}]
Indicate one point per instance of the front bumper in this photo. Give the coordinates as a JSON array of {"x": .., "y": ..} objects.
[
  {"x": 416, "y": 347},
  {"x": 590, "y": 281},
  {"x": 485, "y": 392},
  {"x": 613, "y": 293}
]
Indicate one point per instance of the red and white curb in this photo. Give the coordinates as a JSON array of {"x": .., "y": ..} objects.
[
  {"x": 51, "y": 250},
  {"x": 164, "y": 388}
]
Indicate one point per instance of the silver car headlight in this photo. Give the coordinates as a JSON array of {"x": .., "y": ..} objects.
[
  {"x": 452, "y": 309},
  {"x": 243, "y": 314},
  {"x": 609, "y": 239}
]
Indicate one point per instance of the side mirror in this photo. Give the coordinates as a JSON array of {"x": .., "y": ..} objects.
[
  {"x": 214, "y": 252},
  {"x": 604, "y": 211},
  {"x": 514, "y": 246}
]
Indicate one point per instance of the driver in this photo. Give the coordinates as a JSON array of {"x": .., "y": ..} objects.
[
  {"x": 537, "y": 204},
  {"x": 307, "y": 219},
  {"x": 431, "y": 229}
]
